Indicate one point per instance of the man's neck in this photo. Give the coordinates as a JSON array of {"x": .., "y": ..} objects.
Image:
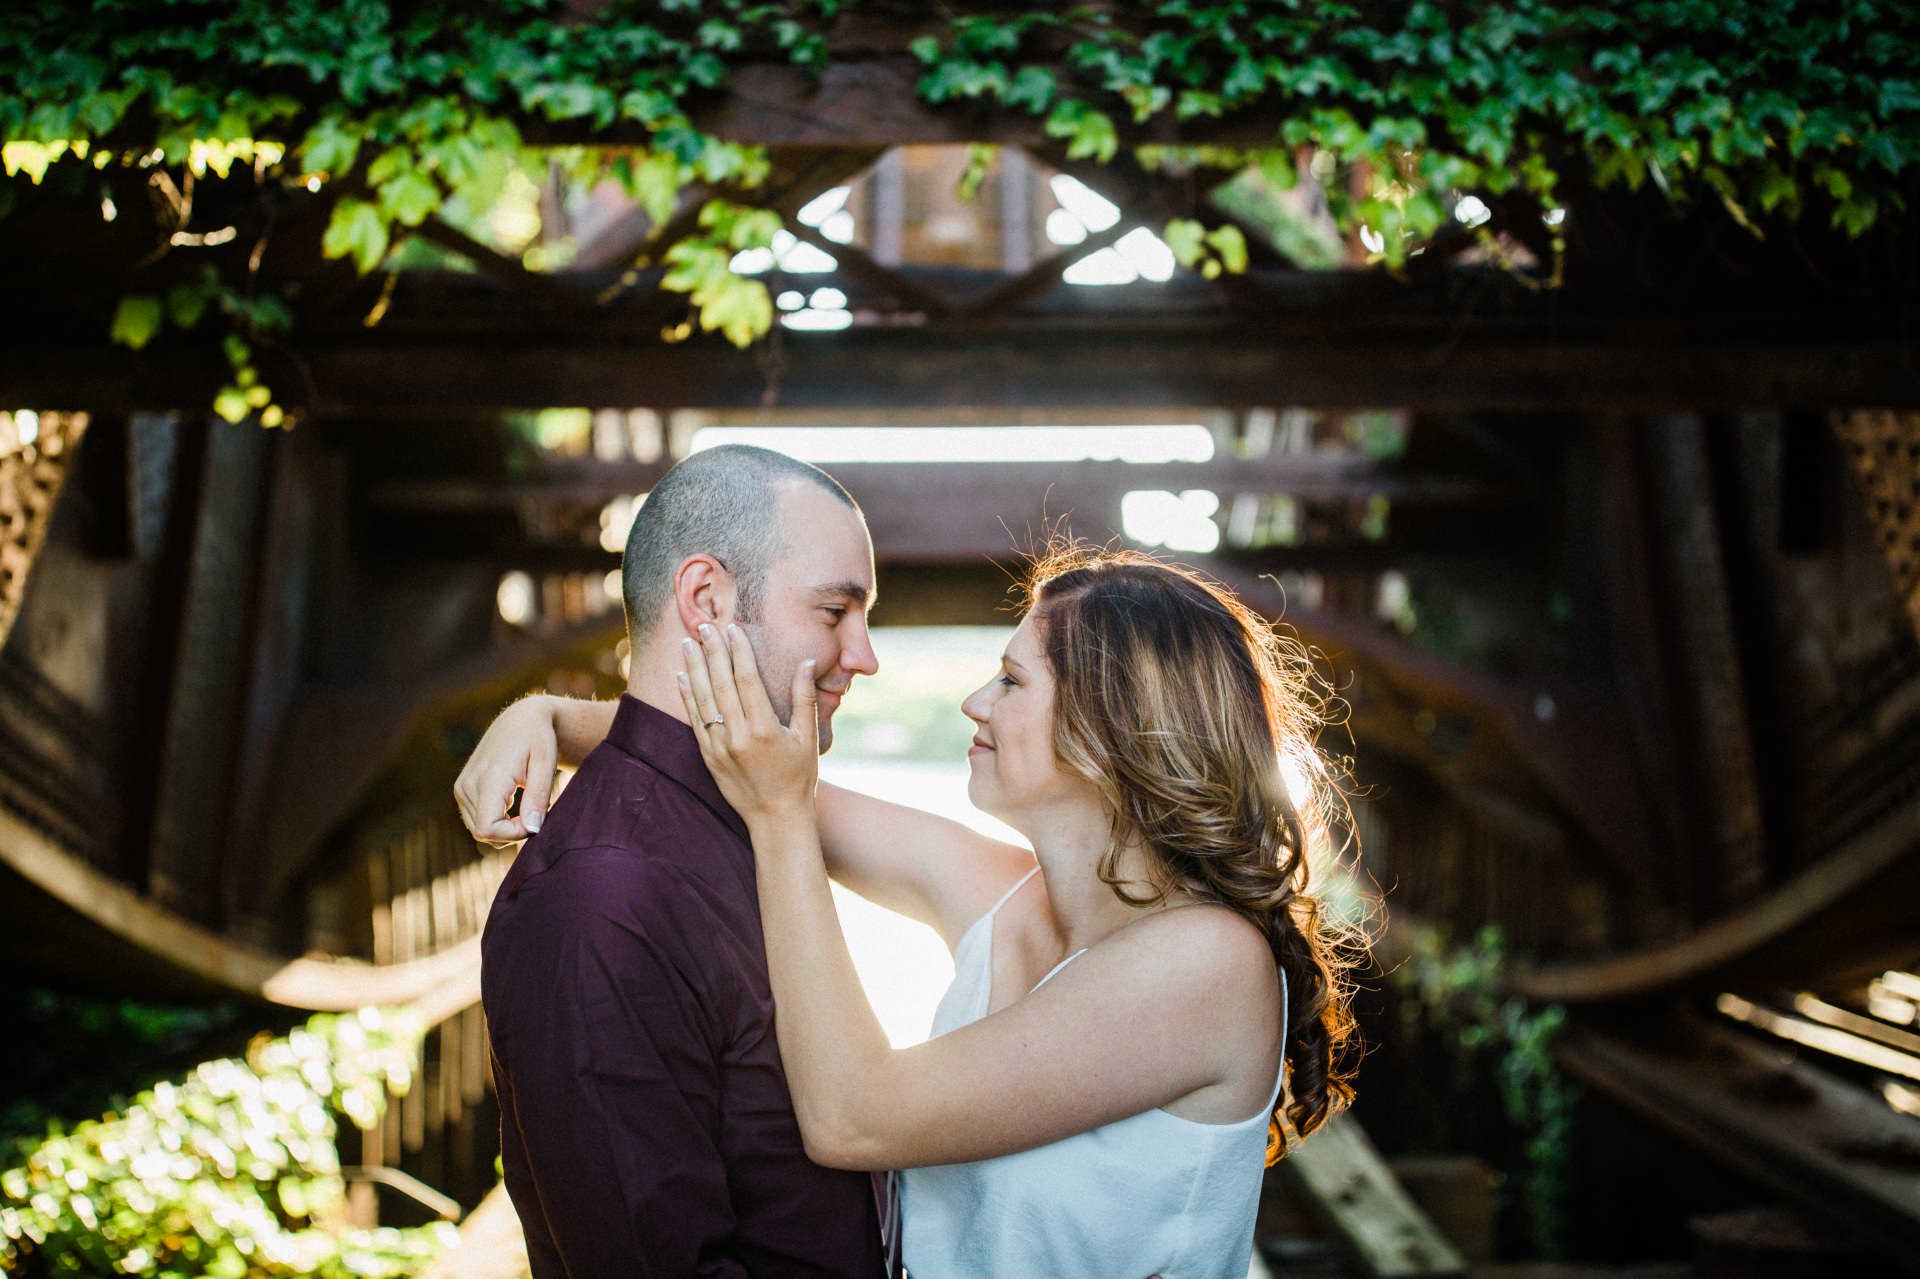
[{"x": 650, "y": 676}]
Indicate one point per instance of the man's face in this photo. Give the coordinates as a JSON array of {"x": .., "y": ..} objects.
[{"x": 814, "y": 603}]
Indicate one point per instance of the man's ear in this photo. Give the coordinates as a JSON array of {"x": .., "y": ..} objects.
[{"x": 703, "y": 591}]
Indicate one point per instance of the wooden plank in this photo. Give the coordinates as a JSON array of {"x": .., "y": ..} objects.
[
  {"x": 1817, "y": 1140},
  {"x": 1350, "y": 1186}
]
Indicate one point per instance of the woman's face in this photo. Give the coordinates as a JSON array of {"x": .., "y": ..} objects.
[{"x": 1011, "y": 765}]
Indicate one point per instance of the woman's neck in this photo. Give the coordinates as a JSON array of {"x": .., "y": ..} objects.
[{"x": 1084, "y": 907}]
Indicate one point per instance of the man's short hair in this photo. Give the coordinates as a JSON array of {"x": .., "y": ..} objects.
[{"x": 722, "y": 502}]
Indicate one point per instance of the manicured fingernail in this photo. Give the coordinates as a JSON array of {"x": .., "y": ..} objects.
[
  {"x": 686, "y": 642},
  {"x": 732, "y": 629},
  {"x": 533, "y": 820},
  {"x": 682, "y": 677},
  {"x": 706, "y": 632},
  {"x": 808, "y": 664}
]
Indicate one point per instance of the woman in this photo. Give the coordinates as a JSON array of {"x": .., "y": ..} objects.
[{"x": 1131, "y": 999}]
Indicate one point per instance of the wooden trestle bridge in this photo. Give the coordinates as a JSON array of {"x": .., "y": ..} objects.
[{"x": 1658, "y": 716}]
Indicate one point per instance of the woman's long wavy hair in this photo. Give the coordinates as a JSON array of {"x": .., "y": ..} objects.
[{"x": 1191, "y": 715}]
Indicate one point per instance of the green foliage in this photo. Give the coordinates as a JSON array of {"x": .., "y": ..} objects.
[
  {"x": 1460, "y": 991},
  {"x": 699, "y": 266},
  {"x": 1223, "y": 248},
  {"x": 1800, "y": 109},
  {"x": 72, "y": 1054},
  {"x": 231, "y": 1172}
]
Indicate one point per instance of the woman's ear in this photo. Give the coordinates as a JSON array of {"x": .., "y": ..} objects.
[{"x": 703, "y": 591}]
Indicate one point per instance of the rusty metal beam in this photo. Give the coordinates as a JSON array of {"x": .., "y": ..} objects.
[
  {"x": 1712, "y": 693},
  {"x": 1121, "y": 365}
]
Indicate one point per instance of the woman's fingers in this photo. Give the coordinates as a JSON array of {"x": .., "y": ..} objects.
[
  {"x": 749, "y": 691},
  {"x": 687, "y": 700},
  {"x": 725, "y": 679},
  {"x": 703, "y": 710}
]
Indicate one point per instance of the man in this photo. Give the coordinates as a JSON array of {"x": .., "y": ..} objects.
[{"x": 646, "y": 1127}]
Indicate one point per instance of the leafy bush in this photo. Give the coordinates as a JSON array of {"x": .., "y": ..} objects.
[
  {"x": 233, "y": 1172},
  {"x": 1459, "y": 990}
]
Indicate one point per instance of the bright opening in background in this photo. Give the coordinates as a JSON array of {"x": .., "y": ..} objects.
[
  {"x": 900, "y": 735},
  {"x": 1177, "y": 521},
  {"x": 825, "y": 445}
]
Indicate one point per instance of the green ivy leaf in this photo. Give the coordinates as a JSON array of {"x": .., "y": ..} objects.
[
  {"x": 1231, "y": 245},
  {"x": 358, "y": 230},
  {"x": 1187, "y": 239},
  {"x": 186, "y": 303},
  {"x": 136, "y": 320},
  {"x": 741, "y": 309},
  {"x": 1031, "y": 89},
  {"x": 1088, "y": 132},
  {"x": 1277, "y": 168},
  {"x": 655, "y": 182},
  {"x": 410, "y": 197},
  {"x": 231, "y": 406},
  {"x": 330, "y": 147},
  {"x": 694, "y": 267},
  {"x": 715, "y": 34}
]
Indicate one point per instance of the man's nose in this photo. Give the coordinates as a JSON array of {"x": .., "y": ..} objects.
[{"x": 857, "y": 655}]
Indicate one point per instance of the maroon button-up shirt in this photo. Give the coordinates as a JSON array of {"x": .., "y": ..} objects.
[{"x": 646, "y": 1127}]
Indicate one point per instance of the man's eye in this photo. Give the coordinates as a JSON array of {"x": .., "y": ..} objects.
[{"x": 836, "y": 614}]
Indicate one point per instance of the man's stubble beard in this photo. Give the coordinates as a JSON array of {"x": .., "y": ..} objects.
[{"x": 777, "y": 667}]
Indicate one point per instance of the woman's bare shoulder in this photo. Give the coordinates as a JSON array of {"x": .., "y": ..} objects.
[{"x": 1203, "y": 947}]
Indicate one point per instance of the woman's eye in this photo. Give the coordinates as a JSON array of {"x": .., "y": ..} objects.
[{"x": 1006, "y": 681}]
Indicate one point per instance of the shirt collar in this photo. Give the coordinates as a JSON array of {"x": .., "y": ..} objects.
[{"x": 665, "y": 744}]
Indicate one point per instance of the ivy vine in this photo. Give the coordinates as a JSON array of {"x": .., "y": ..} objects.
[
  {"x": 1459, "y": 990},
  {"x": 1771, "y": 109},
  {"x": 231, "y": 1172}
]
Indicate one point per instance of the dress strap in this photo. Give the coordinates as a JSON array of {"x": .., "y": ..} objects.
[
  {"x": 1286, "y": 1029},
  {"x": 1057, "y": 967},
  {"x": 1008, "y": 895}
]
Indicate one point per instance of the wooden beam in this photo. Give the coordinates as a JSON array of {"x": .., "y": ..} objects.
[
  {"x": 1810, "y": 1136},
  {"x": 1350, "y": 1186},
  {"x": 855, "y": 263},
  {"x": 489, "y": 261},
  {"x": 1465, "y": 339},
  {"x": 63, "y": 916},
  {"x": 1853, "y": 914},
  {"x": 1012, "y": 369},
  {"x": 1730, "y": 861}
]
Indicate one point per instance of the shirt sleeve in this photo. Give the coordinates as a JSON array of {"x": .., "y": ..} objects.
[{"x": 609, "y": 1039}]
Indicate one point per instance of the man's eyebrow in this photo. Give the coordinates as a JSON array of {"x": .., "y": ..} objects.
[{"x": 848, "y": 590}]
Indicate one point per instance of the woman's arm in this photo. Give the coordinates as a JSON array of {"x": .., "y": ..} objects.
[
  {"x": 925, "y": 867},
  {"x": 1157, "y": 1012},
  {"x": 928, "y": 868},
  {"x": 520, "y": 751}
]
